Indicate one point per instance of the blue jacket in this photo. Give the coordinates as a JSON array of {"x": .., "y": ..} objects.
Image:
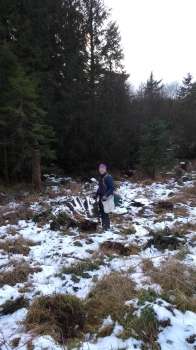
[{"x": 106, "y": 186}]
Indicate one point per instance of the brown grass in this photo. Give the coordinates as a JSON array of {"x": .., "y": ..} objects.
[
  {"x": 183, "y": 229},
  {"x": 13, "y": 216},
  {"x": 128, "y": 230},
  {"x": 74, "y": 187},
  {"x": 187, "y": 194},
  {"x": 110, "y": 248},
  {"x": 10, "y": 230},
  {"x": 17, "y": 246},
  {"x": 147, "y": 265},
  {"x": 108, "y": 298},
  {"x": 181, "y": 211},
  {"x": 177, "y": 280},
  {"x": 61, "y": 316},
  {"x": 19, "y": 274},
  {"x": 11, "y": 306}
]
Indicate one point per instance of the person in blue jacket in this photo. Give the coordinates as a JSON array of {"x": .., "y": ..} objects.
[{"x": 105, "y": 189}]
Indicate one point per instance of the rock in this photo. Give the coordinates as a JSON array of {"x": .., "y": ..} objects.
[
  {"x": 78, "y": 244},
  {"x": 137, "y": 204}
]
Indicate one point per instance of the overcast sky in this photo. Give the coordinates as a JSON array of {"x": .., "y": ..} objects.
[{"x": 158, "y": 36}]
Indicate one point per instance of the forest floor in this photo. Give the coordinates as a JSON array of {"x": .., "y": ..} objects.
[{"x": 137, "y": 280}]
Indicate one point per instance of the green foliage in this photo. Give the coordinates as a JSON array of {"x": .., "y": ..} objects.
[
  {"x": 147, "y": 295},
  {"x": 22, "y": 121},
  {"x": 155, "y": 149},
  {"x": 63, "y": 87},
  {"x": 81, "y": 268},
  {"x": 144, "y": 327}
]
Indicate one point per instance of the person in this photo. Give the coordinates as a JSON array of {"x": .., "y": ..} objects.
[{"x": 104, "y": 193}]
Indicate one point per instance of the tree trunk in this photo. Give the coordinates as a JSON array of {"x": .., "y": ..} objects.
[
  {"x": 36, "y": 169},
  {"x": 6, "y": 171}
]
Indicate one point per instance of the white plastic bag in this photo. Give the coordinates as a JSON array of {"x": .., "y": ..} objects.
[{"x": 108, "y": 205}]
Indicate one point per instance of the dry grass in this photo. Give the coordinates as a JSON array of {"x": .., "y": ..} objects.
[
  {"x": 181, "y": 211},
  {"x": 128, "y": 230},
  {"x": 146, "y": 265},
  {"x": 19, "y": 274},
  {"x": 31, "y": 198},
  {"x": 60, "y": 316},
  {"x": 16, "y": 246},
  {"x": 178, "y": 281},
  {"x": 184, "y": 229},
  {"x": 111, "y": 247},
  {"x": 11, "y": 306},
  {"x": 108, "y": 298},
  {"x": 74, "y": 187},
  {"x": 82, "y": 267},
  {"x": 187, "y": 194},
  {"x": 11, "y": 217},
  {"x": 10, "y": 230}
]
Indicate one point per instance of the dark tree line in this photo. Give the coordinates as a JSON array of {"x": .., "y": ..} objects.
[{"x": 64, "y": 90}]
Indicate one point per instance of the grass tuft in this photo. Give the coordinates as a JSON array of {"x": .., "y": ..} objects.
[
  {"x": 19, "y": 274},
  {"x": 17, "y": 246},
  {"x": 60, "y": 316},
  {"x": 81, "y": 268},
  {"x": 108, "y": 297}
]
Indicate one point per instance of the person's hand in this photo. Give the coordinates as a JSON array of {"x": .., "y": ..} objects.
[{"x": 104, "y": 198}]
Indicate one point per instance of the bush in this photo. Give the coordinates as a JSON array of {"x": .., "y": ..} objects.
[{"x": 60, "y": 316}]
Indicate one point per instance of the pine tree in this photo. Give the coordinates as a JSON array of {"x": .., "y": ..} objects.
[
  {"x": 21, "y": 119},
  {"x": 156, "y": 151}
]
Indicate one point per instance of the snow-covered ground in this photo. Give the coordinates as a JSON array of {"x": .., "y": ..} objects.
[{"x": 54, "y": 250}]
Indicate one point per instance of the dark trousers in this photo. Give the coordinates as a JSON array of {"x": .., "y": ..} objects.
[{"x": 105, "y": 219}]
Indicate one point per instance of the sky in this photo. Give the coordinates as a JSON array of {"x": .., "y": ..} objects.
[{"x": 158, "y": 36}]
